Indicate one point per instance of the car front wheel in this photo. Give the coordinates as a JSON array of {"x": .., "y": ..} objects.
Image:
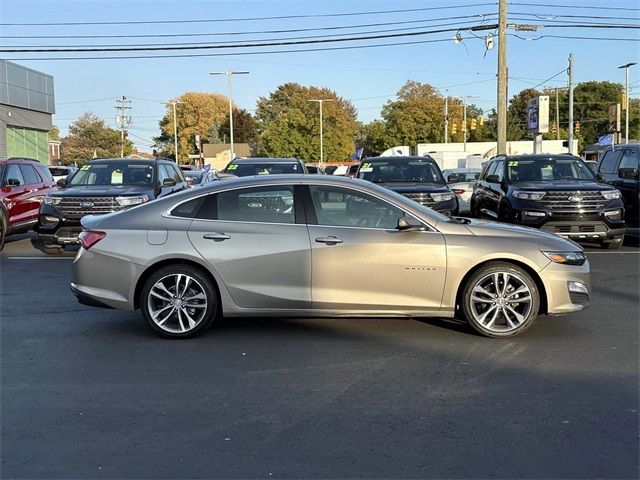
[
  {"x": 179, "y": 301},
  {"x": 500, "y": 300}
]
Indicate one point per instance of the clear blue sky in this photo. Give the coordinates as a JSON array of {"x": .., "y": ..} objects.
[{"x": 93, "y": 85}]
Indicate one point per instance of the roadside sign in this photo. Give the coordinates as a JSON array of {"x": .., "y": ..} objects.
[{"x": 538, "y": 114}]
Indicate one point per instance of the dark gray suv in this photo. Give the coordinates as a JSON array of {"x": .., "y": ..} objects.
[{"x": 618, "y": 166}]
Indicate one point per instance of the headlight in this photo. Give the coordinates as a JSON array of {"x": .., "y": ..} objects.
[
  {"x": 566, "y": 258},
  {"x": 442, "y": 197},
  {"x": 611, "y": 194},
  {"x": 52, "y": 200},
  {"x": 129, "y": 201},
  {"x": 522, "y": 195}
]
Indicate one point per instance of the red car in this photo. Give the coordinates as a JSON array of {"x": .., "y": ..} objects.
[{"x": 24, "y": 183}]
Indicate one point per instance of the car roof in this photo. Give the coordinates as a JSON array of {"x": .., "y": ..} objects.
[
  {"x": 535, "y": 156},
  {"x": 264, "y": 160},
  {"x": 20, "y": 159},
  {"x": 425, "y": 158},
  {"x": 140, "y": 161}
]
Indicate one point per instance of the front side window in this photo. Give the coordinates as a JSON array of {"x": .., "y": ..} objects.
[
  {"x": 14, "y": 174},
  {"x": 609, "y": 161},
  {"x": 400, "y": 170},
  {"x": 342, "y": 207},
  {"x": 272, "y": 204},
  {"x": 113, "y": 173},
  {"x": 548, "y": 169}
]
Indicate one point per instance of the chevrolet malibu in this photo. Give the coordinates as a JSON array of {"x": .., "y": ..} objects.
[{"x": 320, "y": 246}]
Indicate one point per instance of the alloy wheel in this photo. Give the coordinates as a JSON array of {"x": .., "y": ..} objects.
[
  {"x": 177, "y": 303},
  {"x": 500, "y": 302}
]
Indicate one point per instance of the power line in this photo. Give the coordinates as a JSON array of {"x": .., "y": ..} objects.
[
  {"x": 251, "y": 19},
  {"x": 238, "y": 45},
  {"x": 564, "y": 70},
  {"x": 259, "y": 32},
  {"x": 543, "y": 16},
  {"x": 583, "y": 7}
]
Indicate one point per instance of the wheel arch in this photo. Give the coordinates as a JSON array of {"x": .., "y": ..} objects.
[
  {"x": 151, "y": 269},
  {"x": 527, "y": 268}
]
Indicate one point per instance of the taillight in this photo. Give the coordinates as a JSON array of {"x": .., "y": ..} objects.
[
  {"x": 88, "y": 238},
  {"x": 458, "y": 191}
]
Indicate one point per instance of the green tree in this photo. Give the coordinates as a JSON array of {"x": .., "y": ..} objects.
[
  {"x": 372, "y": 137},
  {"x": 54, "y": 134},
  {"x": 90, "y": 137},
  {"x": 245, "y": 128},
  {"x": 197, "y": 112},
  {"x": 290, "y": 126}
]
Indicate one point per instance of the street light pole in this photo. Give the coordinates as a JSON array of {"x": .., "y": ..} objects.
[
  {"x": 626, "y": 99},
  {"x": 320, "y": 102},
  {"x": 229, "y": 75},
  {"x": 501, "y": 146},
  {"x": 446, "y": 116}
]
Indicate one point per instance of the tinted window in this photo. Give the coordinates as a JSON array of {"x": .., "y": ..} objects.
[
  {"x": 336, "y": 206},
  {"x": 188, "y": 209},
  {"x": 629, "y": 158},
  {"x": 13, "y": 172},
  {"x": 400, "y": 170},
  {"x": 30, "y": 175},
  {"x": 241, "y": 169},
  {"x": 118, "y": 172},
  {"x": 260, "y": 204},
  {"x": 609, "y": 161}
]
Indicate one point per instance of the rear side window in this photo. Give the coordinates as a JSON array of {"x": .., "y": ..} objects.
[
  {"x": 629, "y": 158},
  {"x": 609, "y": 161},
  {"x": 188, "y": 209},
  {"x": 30, "y": 175}
]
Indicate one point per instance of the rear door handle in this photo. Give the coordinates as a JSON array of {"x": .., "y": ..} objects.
[
  {"x": 218, "y": 237},
  {"x": 331, "y": 240}
]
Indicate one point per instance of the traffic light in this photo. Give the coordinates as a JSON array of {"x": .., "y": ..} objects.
[
  {"x": 554, "y": 127},
  {"x": 577, "y": 128},
  {"x": 454, "y": 128},
  {"x": 481, "y": 120},
  {"x": 474, "y": 124}
]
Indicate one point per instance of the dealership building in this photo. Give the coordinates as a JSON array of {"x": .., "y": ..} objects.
[{"x": 26, "y": 106}]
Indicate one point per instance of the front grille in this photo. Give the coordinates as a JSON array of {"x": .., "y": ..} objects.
[
  {"x": 78, "y": 207},
  {"x": 573, "y": 202},
  {"x": 422, "y": 198}
]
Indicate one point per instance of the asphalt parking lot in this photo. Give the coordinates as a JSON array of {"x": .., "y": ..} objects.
[{"x": 91, "y": 393}]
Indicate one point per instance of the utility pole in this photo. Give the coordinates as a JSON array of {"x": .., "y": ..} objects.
[
  {"x": 446, "y": 117},
  {"x": 320, "y": 102},
  {"x": 173, "y": 103},
  {"x": 122, "y": 119},
  {"x": 626, "y": 96},
  {"x": 570, "y": 73},
  {"x": 229, "y": 75},
  {"x": 557, "y": 117},
  {"x": 502, "y": 77}
]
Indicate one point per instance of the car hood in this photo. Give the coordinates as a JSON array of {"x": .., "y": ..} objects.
[
  {"x": 414, "y": 187},
  {"x": 486, "y": 228},
  {"x": 562, "y": 185},
  {"x": 104, "y": 191}
]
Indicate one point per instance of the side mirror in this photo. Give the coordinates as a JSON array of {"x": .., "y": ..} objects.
[
  {"x": 168, "y": 182},
  {"x": 12, "y": 182},
  {"x": 453, "y": 178},
  {"x": 628, "y": 173},
  {"x": 600, "y": 178},
  {"x": 493, "y": 179},
  {"x": 408, "y": 224},
  {"x": 62, "y": 183}
]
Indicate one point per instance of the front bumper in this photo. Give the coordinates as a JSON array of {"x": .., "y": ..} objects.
[{"x": 568, "y": 287}]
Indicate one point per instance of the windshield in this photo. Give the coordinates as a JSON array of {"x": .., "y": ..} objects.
[
  {"x": 400, "y": 170},
  {"x": 263, "y": 168},
  {"x": 113, "y": 173},
  {"x": 548, "y": 169}
]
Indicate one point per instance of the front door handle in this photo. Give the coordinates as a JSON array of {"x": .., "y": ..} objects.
[
  {"x": 218, "y": 237},
  {"x": 331, "y": 240}
]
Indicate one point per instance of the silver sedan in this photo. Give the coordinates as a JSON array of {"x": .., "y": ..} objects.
[{"x": 321, "y": 246}]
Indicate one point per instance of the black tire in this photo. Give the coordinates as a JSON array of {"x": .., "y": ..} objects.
[
  {"x": 3, "y": 229},
  {"x": 516, "y": 277},
  {"x": 613, "y": 244},
  {"x": 200, "y": 282}
]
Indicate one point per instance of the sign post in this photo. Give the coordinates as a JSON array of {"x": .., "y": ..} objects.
[
  {"x": 538, "y": 120},
  {"x": 614, "y": 121}
]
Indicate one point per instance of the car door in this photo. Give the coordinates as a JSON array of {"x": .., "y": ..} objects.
[
  {"x": 16, "y": 194},
  {"x": 32, "y": 197},
  {"x": 481, "y": 191},
  {"x": 361, "y": 261},
  {"x": 608, "y": 166},
  {"x": 494, "y": 192},
  {"x": 256, "y": 240}
]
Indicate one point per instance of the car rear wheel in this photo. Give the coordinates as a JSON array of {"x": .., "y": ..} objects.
[
  {"x": 500, "y": 300},
  {"x": 614, "y": 244},
  {"x": 179, "y": 301}
]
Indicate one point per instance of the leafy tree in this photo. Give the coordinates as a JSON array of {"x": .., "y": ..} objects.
[
  {"x": 290, "y": 125},
  {"x": 54, "y": 134},
  {"x": 89, "y": 136},
  {"x": 197, "y": 112},
  {"x": 245, "y": 128},
  {"x": 372, "y": 137}
]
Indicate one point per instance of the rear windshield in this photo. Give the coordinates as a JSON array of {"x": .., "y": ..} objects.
[
  {"x": 113, "y": 173},
  {"x": 262, "y": 168},
  {"x": 548, "y": 169},
  {"x": 59, "y": 171},
  {"x": 400, "y": 170}
]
